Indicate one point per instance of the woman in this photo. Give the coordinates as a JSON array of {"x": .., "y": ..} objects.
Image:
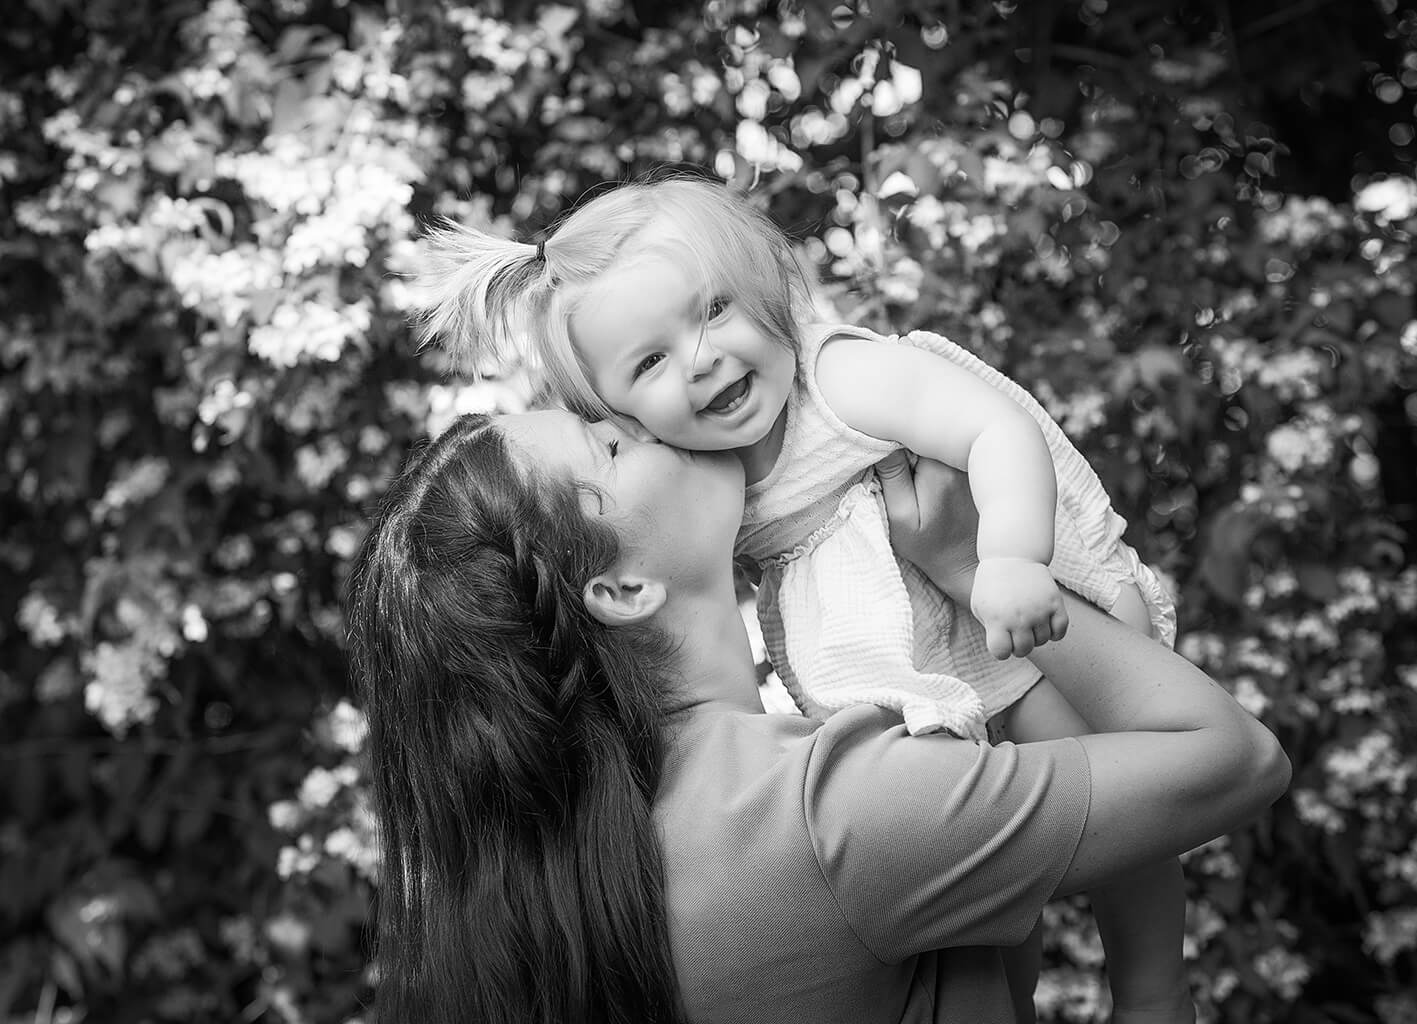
[{"x": 587, "y": 816}]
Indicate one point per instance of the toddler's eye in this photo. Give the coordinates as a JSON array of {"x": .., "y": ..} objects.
[
  {"x": 614, "y": 447},
  {"x": 718, "y": 305},
  {"x": 648, "y": 362}
]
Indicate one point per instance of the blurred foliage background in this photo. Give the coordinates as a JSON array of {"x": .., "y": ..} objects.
[{"x": 1186, "y": 227}]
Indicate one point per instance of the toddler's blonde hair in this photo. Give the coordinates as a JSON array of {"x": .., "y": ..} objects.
[{"x": 478, "y": 294}]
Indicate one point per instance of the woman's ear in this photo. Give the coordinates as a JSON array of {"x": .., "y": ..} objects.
[{"x": 623, "y": 600}]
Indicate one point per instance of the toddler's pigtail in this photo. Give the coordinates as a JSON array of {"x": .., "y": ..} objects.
[{"x": 474, "y": 294}]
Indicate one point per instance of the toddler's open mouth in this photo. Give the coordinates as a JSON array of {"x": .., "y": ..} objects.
[{"x": 731, "y": 397}]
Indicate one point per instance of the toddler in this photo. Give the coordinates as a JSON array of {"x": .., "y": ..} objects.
[{"x": 682, "y": 312}]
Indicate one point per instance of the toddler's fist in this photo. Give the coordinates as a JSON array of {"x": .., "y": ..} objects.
[{"x": 1019, "y": 605}]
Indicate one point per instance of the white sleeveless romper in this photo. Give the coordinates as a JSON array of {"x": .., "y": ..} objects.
[{"x": 847, "y": 623}]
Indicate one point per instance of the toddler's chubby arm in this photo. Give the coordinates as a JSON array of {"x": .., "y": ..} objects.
[{"x": 942, "y": 411}]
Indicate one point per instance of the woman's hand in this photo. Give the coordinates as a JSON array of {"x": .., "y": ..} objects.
[{"x": 933, "y": 521}]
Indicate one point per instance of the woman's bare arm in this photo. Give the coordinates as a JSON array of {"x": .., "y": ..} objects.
[{"x": 1178, "y": 762}]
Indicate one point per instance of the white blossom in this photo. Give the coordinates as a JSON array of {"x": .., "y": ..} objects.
[
  {"x": 1389, "y": 933},
  {"x": 1286, "y": 973},
  {"x": 358, "y": 850},
  {"x": 1389, "y": 199},
  {"x": 348, "y": 727},
  {"x": 320, "y": 788},
  {"x": 1301, "y": 221},
  {"x": 1250, "y": 697},
  {"x": 118, "y": 692},
  {"x": 41, "y": 620},
  {"x": 309, "y": 330},
  {"x": 285, "y": 815}
]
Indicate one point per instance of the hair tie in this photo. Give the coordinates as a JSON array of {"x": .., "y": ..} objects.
[{"x": 541, "y": 250}]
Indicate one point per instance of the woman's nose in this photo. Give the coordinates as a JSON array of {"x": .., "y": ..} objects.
[
  {"x": 606, "y": 431},
  {"x": 622, "y": 429},
  {"x": 634, "y": 432}
]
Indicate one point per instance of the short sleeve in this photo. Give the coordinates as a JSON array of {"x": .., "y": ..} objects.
[{"x": 930, "y": 842}]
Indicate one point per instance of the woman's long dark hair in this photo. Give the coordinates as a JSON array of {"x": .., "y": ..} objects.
[{"x": 516, "y": 747}]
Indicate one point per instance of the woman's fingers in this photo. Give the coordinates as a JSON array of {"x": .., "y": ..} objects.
[
  {"x": 898, "y": 488},
  {"x": 933, "y": 521},
  {"x": 944, "y": 496}
]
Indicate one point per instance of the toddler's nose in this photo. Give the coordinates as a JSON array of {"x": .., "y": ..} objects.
[{"x": 706, "y": 359}]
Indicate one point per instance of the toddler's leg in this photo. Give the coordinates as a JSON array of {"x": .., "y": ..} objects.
[
  {"x": 1131, "y": 609},
  {"x": 1140, "y": 916}
]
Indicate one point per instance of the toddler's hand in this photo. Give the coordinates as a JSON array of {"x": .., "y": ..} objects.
[{"x": 1019, "y": 605}]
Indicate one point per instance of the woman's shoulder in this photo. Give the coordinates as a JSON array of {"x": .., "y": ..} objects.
[
  {"x": 861, "y": 764},
  {"x": 881, "y": 827},
  {"x": 727, "y": 761}
]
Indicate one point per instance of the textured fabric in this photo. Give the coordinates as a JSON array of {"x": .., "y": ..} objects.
[
  {"x": 849, "y": 873},
  {"x": 834, "y": 609},
  {"x": 856, "y": 642}
]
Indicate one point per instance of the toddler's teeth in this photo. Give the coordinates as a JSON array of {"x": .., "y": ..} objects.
[{"x": 728, "y": 397}]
